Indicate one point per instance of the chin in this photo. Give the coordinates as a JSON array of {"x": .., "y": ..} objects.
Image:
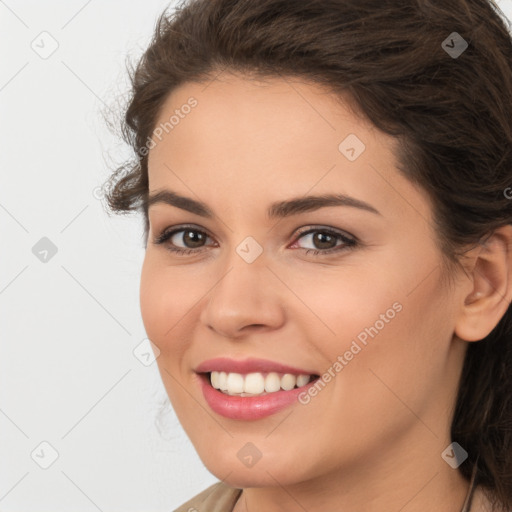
[
  {"x": 262, "y": 474},
  {"x": 245, "y": 478}
]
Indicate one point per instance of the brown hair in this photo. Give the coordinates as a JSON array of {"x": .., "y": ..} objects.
[{"x": 451, "y": 116}]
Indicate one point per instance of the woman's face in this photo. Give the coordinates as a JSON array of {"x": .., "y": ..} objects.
[{"x": 269, "y": 274}]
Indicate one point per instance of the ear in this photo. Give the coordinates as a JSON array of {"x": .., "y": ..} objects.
[{"x": 490, "y": 284}]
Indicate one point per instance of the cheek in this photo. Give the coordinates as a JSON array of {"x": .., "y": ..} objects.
[
  {"x": 167, "y": 297},
  {"x": 403, "y": 355},
  {"x": 388, "y": 319},
  {"x": 341, "y": 302},
  {"x": 152, "y": 306}
]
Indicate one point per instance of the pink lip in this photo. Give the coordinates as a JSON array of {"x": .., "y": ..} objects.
[
  {"x": 224, "y": 364},
  {"x": 248, "y": 407}
]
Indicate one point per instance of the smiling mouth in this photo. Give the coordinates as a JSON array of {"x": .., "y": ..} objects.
[{"x": 256, "y": 383}]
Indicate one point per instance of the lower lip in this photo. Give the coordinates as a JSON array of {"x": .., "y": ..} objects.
[{"x": 248, "y": 407}]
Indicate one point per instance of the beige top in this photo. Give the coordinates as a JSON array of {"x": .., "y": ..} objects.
[{"x": 218, "y": 497}]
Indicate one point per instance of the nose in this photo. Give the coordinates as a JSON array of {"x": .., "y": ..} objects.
[{"x": 246, "y": 298}]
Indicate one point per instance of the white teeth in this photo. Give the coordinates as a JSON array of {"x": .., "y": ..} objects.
[
  {"x": 256, "y": 383},
  {"x": 302, "y": 380},
  {"x": 223, "y": 381},
  {"x": 214, "y": 378},
  {"x": 272, "y": 382},
  {"x": 235, "y": 383},
  {"x": 288, "y": 381}
]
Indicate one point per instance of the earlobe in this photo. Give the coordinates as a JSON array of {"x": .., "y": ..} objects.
[{"x": 491, "y": 287}]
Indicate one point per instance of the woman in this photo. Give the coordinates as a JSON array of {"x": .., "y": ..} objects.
[{"x": 326, "y": 192}]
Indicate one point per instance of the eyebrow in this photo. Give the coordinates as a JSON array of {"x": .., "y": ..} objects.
[{"x": 279, "y": 209}]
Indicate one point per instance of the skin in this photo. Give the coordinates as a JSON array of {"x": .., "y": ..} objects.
[{"x": 372, "y": 439}]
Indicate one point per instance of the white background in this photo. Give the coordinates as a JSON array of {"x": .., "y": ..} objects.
[{"x": 68, "y": 375}]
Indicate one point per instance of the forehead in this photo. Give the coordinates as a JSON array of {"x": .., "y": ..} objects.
[
  {"x": 234, "y": 111},
  {"x": 275, "y": 137}
]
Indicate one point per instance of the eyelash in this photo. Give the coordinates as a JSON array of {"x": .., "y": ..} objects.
[{"x": 349, "y": 242}]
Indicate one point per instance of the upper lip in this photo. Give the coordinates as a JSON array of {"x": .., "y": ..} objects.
[{"x": 250, "y": 365}]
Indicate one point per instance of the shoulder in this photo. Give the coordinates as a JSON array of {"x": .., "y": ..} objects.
[{"x": 218, "y": 497}]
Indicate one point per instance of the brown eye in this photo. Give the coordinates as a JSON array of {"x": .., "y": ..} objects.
[
  {"x": 325, "y": 241},
  {"x": 192, "y": 239},
  {"x": 183, "y": 240}
]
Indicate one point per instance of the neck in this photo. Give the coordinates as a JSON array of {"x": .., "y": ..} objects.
[{"x": 410, "y": 483}]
